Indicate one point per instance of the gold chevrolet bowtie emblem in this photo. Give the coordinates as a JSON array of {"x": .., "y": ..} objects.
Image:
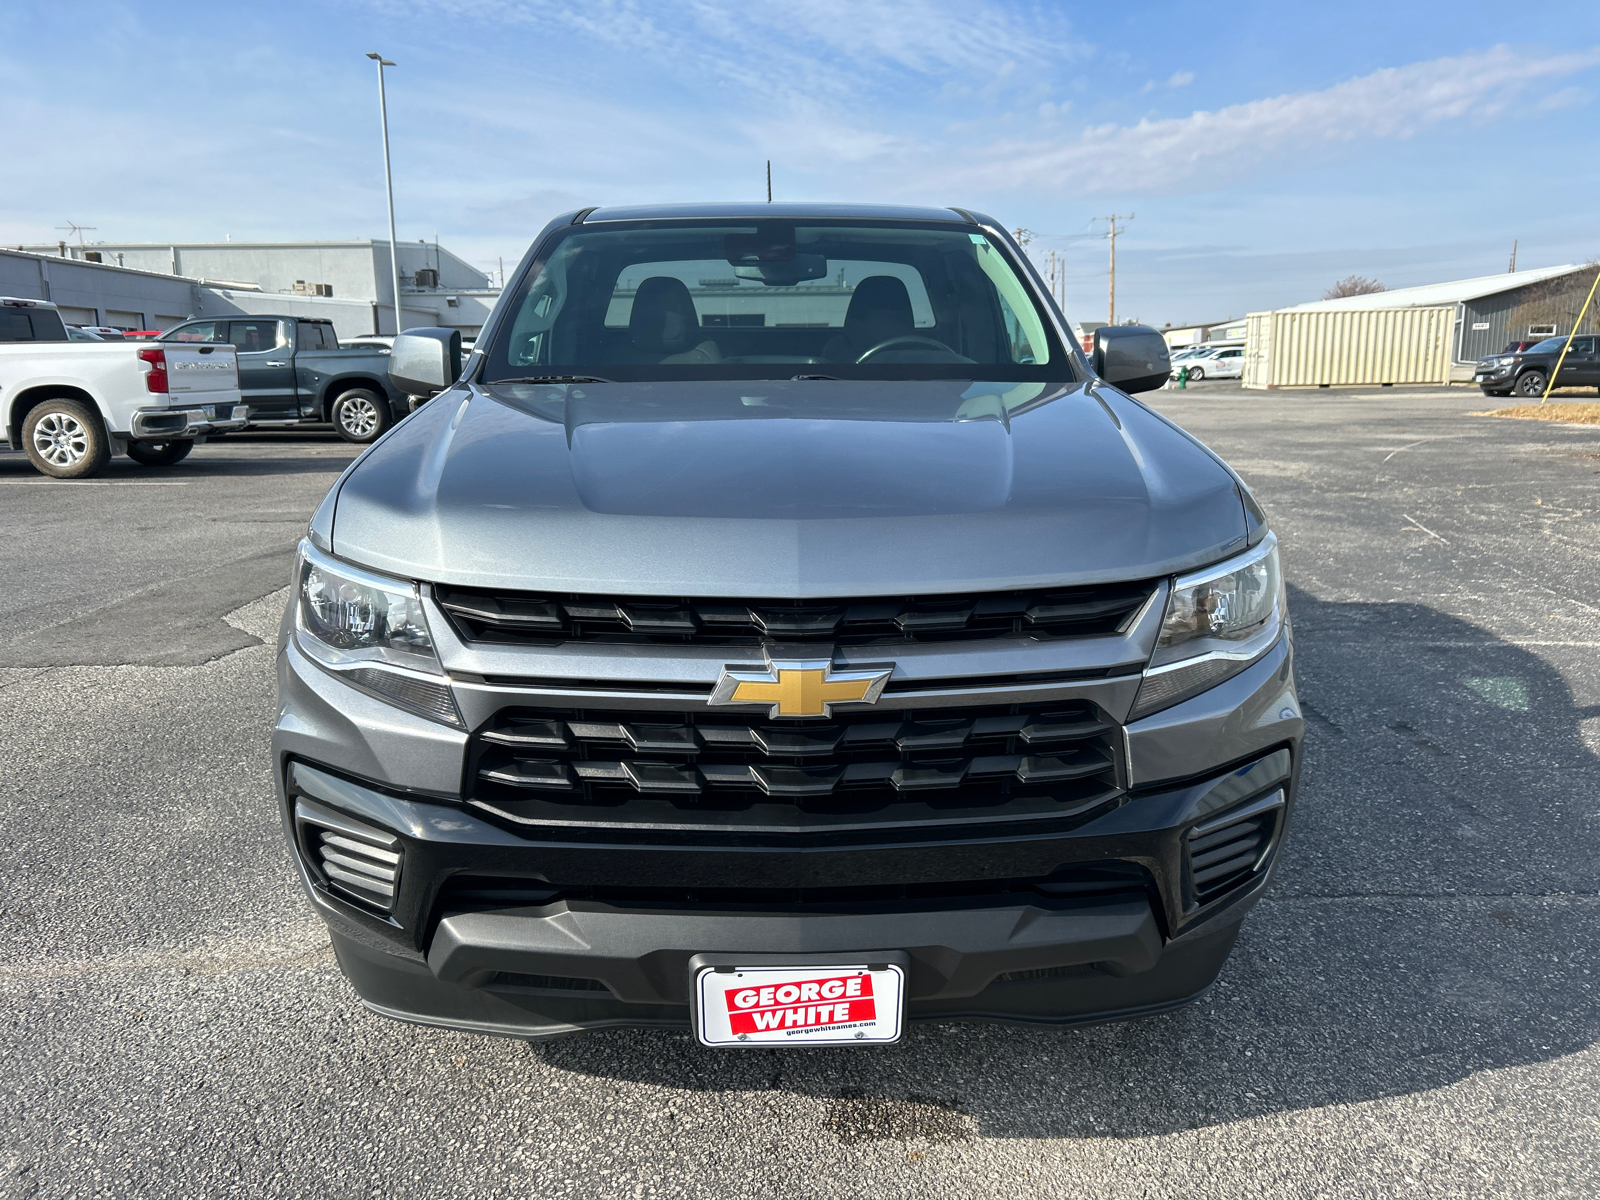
[{"x": 799, "y": 688}]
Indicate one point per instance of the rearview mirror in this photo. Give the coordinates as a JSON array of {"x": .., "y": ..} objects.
[
  {"x": 785, "y": 274},
  {"x": 1133, "y": 357},
  {"x": 423, "y": 362}
]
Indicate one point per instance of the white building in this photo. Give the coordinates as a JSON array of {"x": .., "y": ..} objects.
[{"x": 348, "y": 282}]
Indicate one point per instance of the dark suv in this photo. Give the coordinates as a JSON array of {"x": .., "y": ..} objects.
[{"x": 1528, "y": 372}]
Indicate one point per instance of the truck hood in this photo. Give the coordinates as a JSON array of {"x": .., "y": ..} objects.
[{"x": 789, "y": 489}]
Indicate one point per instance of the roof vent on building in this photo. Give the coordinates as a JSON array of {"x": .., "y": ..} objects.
[
  {"x": 302, "y": 288},
  {"x": 427, "y": 277}
]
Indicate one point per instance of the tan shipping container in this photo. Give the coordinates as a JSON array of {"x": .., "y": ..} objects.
[{"x": 1348, "y": 347}]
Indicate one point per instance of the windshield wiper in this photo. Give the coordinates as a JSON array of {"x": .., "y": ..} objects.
[
  {"x": 803, "y": 377},
  {"x": 553, "y": 379}
]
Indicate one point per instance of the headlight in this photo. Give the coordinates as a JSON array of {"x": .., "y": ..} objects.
[
  {"x": 370, "y": 631},
  {"x": 1218, "y": 622}
]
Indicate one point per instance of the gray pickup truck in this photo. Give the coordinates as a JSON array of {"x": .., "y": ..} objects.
[
  {"x": 780, "y": 629},
  {"x": 292, "y": 372}
]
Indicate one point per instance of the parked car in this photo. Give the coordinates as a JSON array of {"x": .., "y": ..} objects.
[
  {"x": 1528, "y": 372},
  {"x": 1519, "y": 347},
  {"x": 1215, "y": 362},
  {"x": 143, "y": 335},
  {"x": 105, "y": 333},
  {"x": 369, "y": 341},
  {"x": 785, "y": 680},
  {"x": 71, "y": 404},
  {"x": 293, "y": 372},
  {"x": 76, "y": 333}
]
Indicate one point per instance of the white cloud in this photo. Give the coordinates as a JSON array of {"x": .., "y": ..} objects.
[
  {"x": 818, "y": 48},
  {"x": 1572, "y": 97},
  {"x": 1396, "y": 103},
  {"x": 1181, "y": 79}
]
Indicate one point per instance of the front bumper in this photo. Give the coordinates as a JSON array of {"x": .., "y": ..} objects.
[
  {"x": 589, "y": 926},
  {"x": 173, "y": 424}
]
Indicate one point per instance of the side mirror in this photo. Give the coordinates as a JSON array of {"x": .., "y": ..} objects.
[
  {"x": 1134, "y": 357},
  {"x": 423, "y": 362}
]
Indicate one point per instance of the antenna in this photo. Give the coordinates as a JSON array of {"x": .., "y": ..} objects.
[
  {"x": 769, "y": 181},
  {"x": 73, "y": 228}
]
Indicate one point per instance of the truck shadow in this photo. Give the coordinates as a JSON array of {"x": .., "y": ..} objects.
[
  {"x": 1432, "y": 918},
  {"x": 240, "y": 454}
]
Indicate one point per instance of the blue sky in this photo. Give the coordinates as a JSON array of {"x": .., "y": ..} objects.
[{"x": 1267, "y": 149}]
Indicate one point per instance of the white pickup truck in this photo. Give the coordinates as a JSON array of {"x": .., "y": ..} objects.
[{"x": 72, "y": 405}]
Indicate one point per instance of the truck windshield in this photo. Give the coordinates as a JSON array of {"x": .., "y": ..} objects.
[{"x": 659, "y": 300}]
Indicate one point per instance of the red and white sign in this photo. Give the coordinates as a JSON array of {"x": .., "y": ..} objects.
[{"x": 796, "y": 1006}]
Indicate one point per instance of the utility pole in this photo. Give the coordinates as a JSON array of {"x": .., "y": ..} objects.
[
  {"x": 769, "y": 181},
  {"x": 1111, "y": 232},
  {"x": 388, "y": 183},
  {"x": 1513, "y": 265}
]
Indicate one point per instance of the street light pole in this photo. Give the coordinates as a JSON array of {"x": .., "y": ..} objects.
[{"x": 388, "y": 183}]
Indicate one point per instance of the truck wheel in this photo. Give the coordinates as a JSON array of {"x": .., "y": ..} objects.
[
  {"x": 1532, "y": 383},
  {"x": 64, "y": 438},
  {"x": 160, "y": 454},
  {"x": 360, "y": 415}
]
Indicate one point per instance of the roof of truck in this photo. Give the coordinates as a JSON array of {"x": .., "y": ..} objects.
[{"x": 755, "y": 210}]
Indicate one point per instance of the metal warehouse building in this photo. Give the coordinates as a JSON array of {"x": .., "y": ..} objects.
[
  {"x": 347, "y": 282},
  {"x": 1429, "y": 334}
]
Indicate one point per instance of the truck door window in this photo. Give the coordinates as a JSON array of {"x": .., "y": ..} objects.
[
  {"x": 315, "y": 337},
  {"x": 199, "y": 331},
  {"x": 31, "y": 325},
  {"x": 249, "y": 337}
]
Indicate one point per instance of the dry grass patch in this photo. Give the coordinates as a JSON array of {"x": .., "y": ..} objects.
[{"x": 1572, "y": 414}]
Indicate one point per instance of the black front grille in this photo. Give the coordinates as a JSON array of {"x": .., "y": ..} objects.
[
  {"x": 526, "y": 619},
  {"x": 1028, "y": 759},
  {"x": 1076, "y": 882}
]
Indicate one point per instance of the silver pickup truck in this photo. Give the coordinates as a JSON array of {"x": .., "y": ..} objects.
[
  {"x": 780, "y": 629},
  {"x": 71, "y": 405}
]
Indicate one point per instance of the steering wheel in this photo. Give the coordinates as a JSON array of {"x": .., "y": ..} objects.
[{"x": 904, "y": 341}]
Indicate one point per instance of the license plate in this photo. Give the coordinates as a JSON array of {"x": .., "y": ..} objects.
[{"x": 800, "y": 1006}]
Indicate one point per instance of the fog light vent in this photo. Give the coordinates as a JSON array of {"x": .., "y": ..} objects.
[
  {"x": 1231, "y": 849},
  {"x": 354, "y": 859}
]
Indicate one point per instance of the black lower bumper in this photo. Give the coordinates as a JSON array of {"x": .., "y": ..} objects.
[
  {"x": 535, "y": 1006},
  {"x": 491, "y": 931}
]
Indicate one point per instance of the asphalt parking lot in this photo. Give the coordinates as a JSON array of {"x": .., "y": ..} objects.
[{"x": 1410, "y": 1012}]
